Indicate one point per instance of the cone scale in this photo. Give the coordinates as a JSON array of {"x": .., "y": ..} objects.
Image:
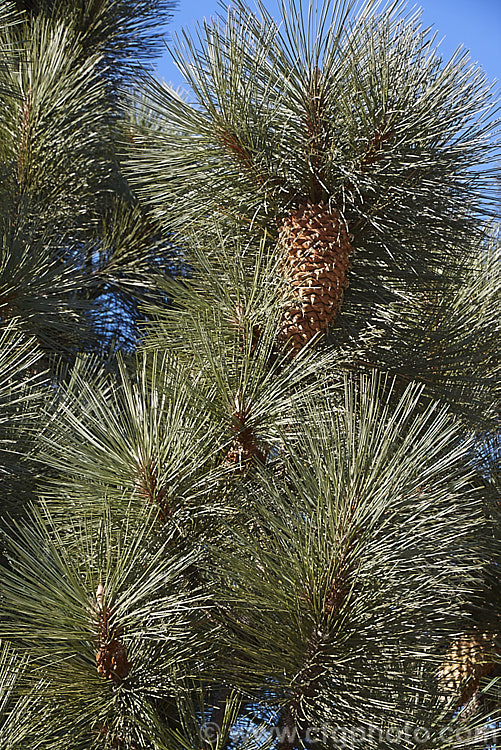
[{"x": 316, "y": 263}]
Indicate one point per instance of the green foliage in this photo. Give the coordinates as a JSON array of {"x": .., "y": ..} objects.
[
  {"x": 41, "y": 291},
  {"x": 209, "y": 542},
  {"x": 53, "y": 122},
  {"x": 21, "y": 395},
  {"x": 141, "y": 436},
  {"x": 360, "y": 565},
  {"x": 122, "y": 31},
  {"x": 145, "y": 588},
  {"x": 62, "y": 196},
  {"x": 302, "y": 108},
  {"x": 25, "y": 720},
  {"x": 445, "y": 336},
  {"x": 355, "y": 108}
]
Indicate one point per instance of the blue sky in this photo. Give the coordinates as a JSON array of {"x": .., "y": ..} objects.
[{"x": 474, "y": 23}]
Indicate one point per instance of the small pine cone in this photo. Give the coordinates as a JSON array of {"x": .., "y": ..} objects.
[
  {"x": 470, "y": 658},
  {"x": 111, "y": 657},
  {"x": 151, "y": 490},
  {"x": 245, "y": 450},
  {"x": 316, "y": 264},
  {"x": 112, "y": 662}
]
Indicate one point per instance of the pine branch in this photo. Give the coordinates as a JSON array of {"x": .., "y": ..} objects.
[{"x": 104, "y": 620}]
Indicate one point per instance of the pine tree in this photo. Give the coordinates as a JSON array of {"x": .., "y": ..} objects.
[
  {"x": 275, "y": 523},
  {"x": 74, "y": 238}
]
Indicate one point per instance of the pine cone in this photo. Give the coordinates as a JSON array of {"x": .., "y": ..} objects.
[
  {"x": 111, "y": 657},
  {"x": 150, "y": 489},
  {"x": 469, "y": 658},
  {"x": 245, "y": 450},
  {"x": 316, "y": 266}
]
